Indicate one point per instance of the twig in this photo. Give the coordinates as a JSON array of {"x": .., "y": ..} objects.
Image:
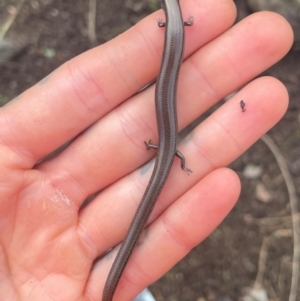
[
  {"x": 263, "y": 254},
  {"x": 271, "y": 291},
  {"x": 294, "y": 210},
  {"x": 262, "y": 262},
  {"x": 10, "y": 20},
  {"x": 285, "y": 265},
  {"x": 270, "y": 221},
  {"x": 92, "y": 22}
]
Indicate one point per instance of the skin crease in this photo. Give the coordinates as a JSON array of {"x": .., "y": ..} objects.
[{"x": 48, "y": 245}]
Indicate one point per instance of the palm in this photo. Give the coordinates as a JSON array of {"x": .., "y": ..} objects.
[
  {"x": 49, "y": 244},
  {"x": 46, "y": 259}
]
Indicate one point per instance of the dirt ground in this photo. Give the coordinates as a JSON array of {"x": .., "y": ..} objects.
[{"x": 49, "y": 32}]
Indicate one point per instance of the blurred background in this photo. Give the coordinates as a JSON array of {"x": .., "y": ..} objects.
[{"x": 250, "y": 255}]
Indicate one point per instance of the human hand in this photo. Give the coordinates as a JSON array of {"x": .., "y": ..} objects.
[{"x": 48, "y": 243}]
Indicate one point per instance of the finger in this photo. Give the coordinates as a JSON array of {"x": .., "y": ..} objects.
[
  {"x": 230, "y": 61},
  {"x": 220, "y": 139},
  {"x": 183, "y": 226},
  {"x": 121, "y": 149},
  {"x": 89, "y": 86}
]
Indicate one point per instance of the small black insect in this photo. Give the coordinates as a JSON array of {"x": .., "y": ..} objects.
[{"x": 242, "y": 105}]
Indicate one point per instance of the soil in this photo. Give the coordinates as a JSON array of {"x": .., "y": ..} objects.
[{"x": 46, "y": 33}]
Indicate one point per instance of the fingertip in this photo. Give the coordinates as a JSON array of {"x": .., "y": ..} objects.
[
  {"x": 227, "y": 183},
  {"x": 213, "y": 197},
  {"x": 225, "y": 190},
  {"x": 267, "y": 99},
  {"x": 272, "y": 27},
  {"x": 275, "y": 94}
]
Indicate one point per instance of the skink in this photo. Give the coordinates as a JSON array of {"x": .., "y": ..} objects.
[{"x": 165, "y": 103}]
